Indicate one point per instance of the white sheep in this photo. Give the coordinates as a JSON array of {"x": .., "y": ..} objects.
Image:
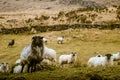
[
  {"x": 67, "y": 59},
  {"x": 100, "y": 61},
  {"x": 45, "y": 62},
  {"x": 116, "y": 56},
  {"x": 4, "y": 67},
  {"x": 17, "y": 68},
  {"x": 49, "y": 54},
  {"x": 60, "y": 39}
]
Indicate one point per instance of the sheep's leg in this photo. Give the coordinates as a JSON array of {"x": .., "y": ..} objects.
[
  {"x": 28, "y": 70},
  {"x": 22, "y": 67}
]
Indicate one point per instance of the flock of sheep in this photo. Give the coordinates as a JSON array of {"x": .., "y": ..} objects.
[{"x": 38, "y": 53}]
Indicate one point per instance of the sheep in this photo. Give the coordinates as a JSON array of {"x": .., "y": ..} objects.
[
  {"x": 17, "y": 67},
  {"x": 49, "y": 54},
  {"x": 60, "y": 39},
  {"x": 4, "y": 68},
  {"x": 116, "y": 56},
  {"x": 11, "y": 43},
  {"x": 100, "y": 61},
  {"x": 45, "y": 40},
  {"x": 67, "y": 59},
  {"x": 32, "y": 54}
]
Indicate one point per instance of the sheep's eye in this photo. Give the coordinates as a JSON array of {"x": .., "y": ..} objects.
[{"x": 2, "y": 63}]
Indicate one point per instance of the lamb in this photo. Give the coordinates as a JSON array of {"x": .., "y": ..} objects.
[
  {"x": 67, "y": 59},
  {"x": 100, "y": 61},
  {"x": 60, "y": 40},
  {"x": 11, "y": 43},
  {"x": 32, "y": 54},
  {"x": 116, "y": 56},
  {"x": 4, "y": 68},
  {"x": 17, "y": 67},
  {"x": 49, "y": 54}
]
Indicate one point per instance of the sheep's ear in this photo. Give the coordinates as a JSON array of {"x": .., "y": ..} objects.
[
  {"x": 33, "y": 37},
  {"x": 41, "y": 37}
]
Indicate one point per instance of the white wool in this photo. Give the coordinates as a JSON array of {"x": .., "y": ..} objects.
[
  {"x": 18, "y": 61},
  {"x": 67, "y": 59},
  {"x": 60, "y": 38},
  {"x": 18, "y": 68},
  {"x": 45, "y": 62},
  {"x": 25, "y": 52},
  {"x": 99, "y": 61},
  {"x": 45, "y": 40},
  {"x": 116, "y": 56},
  {"x": 49, "y": 54}
]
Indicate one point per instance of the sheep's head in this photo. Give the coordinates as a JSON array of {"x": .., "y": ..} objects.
[
  {"x": 108, "y": 56},
  {"x": 37, "y": 41},
  {"x": 73, "y": 54},
  {"x": 4, "y": 64}
]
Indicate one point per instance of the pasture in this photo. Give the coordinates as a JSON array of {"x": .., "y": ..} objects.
[{"x": 86, "y": 42}]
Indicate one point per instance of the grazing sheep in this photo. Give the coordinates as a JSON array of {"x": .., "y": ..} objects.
[
  {"x": 100, "y": 61},
  {"x": 11, "y": 43},
  {"x": 49, "y": 54},
  {"x": 33, "y": 54},
  {"x": 45, "y": 40},
  {"x": 116, "y": 56},
  {"x": 60, "y": 40},
  {"x": 67, "y": 59},
  {"x": 4, "y": 67}
]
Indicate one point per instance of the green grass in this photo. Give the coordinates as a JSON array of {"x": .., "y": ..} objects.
[{"x": 91, "y": 41}]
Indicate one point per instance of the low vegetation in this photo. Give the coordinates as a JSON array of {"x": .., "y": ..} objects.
[{"x": 86, "y": 42}]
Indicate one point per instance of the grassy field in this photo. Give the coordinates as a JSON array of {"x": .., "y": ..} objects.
[{"x": 86, "y": 42}]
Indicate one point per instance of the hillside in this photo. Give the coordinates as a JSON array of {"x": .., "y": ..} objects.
[
  {"x": 31, "y": 5},
  {"x": 28, "y": 13}
]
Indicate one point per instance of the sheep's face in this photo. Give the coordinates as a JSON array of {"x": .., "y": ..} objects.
[
  {"x": 37, "y": 40},
  {"x": 4, "y": 64},
  {"x": 108, "y": 56},
  {"x": 74, "y": 54}
]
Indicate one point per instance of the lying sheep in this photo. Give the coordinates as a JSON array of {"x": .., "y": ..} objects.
[
  {"x": 49, "y": 54},
  {"x": 67, "y": 59},
  {"x": 60, "y": 39},
  {"x": 4, "y": 67},
  {"x": 100, "y": 61},
  {"x": 116, "y": 56}
]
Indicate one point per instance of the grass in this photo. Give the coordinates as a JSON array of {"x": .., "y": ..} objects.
[{"x": 86, "y": 42}]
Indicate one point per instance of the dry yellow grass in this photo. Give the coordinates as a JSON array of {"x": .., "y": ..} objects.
[{"x": 91, "y": 41}]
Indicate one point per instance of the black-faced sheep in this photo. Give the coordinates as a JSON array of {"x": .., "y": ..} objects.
[
  {"x": 33, "y": 53},
  {"x": 100, "y": 61},
  {"x": 11, "y": 43}
]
